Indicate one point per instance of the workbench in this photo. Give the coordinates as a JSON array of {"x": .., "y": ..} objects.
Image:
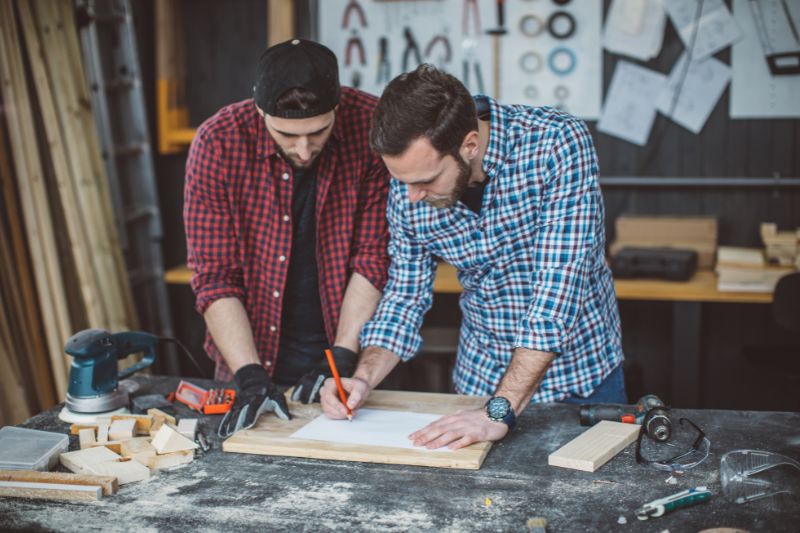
[
  {"x": 687, "y": 299},
  {"x": 235, "y": 492}
]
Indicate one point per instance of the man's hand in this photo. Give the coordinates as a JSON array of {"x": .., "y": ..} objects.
[
  {"x": 357, "y": 391},
  {"x": 459, "y": 430},
  {"x": 257, "y": 394},
  {"x": 307, "y": 389}
]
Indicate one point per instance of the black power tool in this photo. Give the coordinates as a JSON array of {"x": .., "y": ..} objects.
[{"x": 649, "y": 411}]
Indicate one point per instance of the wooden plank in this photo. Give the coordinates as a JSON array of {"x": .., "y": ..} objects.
[
  {"x": 107, "y": 483},
  {"x": 159, "y": 462},
  {"x": 126, "y": 470},
  {"x": 31, "y": 333},
  {"x": 595, "y": 446},
  {"x": 50, "y": 491},
  {"x": 33, "y": 197},
  {"x": 280, "y": 21},
  {"x": 79, "y": 461},
  {"x": 271, "y": 436}
]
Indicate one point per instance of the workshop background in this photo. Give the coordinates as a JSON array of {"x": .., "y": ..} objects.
[{"x": 91, "y": 229}]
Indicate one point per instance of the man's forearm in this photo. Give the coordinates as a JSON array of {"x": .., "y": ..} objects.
[
  {"x": 229, "y": 325},
  {"x": 524, "y": 374},
  {"x": 375, "y": 364},
  {"x": 358, "y": 305}
]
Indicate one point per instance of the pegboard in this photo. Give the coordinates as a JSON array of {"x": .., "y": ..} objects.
[{"x": 543, "y": 61}]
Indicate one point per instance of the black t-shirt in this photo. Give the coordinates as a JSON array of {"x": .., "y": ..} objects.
[
  {"x": 472, "y": 196},
  {"x": 303, "y": 337}
]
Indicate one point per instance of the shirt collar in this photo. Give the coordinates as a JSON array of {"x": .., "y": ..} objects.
[
  {"x": 496, "y": 150},
  {"x": 267, "y": 146}
]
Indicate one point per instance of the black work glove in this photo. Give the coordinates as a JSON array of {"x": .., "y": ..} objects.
[
  {"x": 307, "y": 389},
  {"x": 257, "y": 394}
]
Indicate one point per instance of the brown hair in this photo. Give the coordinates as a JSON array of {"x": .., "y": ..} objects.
[
  {"x": 423, "y": 103},
  {"x": 296, "y": 99}
]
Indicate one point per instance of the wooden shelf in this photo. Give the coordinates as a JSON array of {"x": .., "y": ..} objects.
[{"x": 701, "y": 288}]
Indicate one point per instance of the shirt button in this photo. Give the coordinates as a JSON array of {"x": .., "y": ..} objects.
[
  {"x": 282, "y": 258},
  {"x": 273, "y": 329},
  {"x": 276, "y": 294},
  {"x": 286, "y": 218},
  {"x": 285, "y": 176},
  {"x": 268, "y": 363}
]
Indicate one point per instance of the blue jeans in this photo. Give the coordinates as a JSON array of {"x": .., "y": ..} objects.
[{"x": 610, "y": 390}]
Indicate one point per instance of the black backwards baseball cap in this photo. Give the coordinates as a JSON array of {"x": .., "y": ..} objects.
[{"x": 297, "y": 64}]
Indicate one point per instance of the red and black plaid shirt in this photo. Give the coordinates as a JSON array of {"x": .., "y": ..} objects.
[{"x": 237, "y": 212}]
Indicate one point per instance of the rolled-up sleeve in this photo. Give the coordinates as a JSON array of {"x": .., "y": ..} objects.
[
  {"x": 210, "y": 234},
  {"x": 370, "y": 257},
  {"x": 409, "y": 290},
  {"x": 564, "y": 240}
]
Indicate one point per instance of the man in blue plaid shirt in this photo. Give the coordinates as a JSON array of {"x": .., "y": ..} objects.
[{"x": 510, "y": 198}]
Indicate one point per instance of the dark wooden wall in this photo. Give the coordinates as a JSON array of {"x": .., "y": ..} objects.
[{"x": 224, "y": 40}]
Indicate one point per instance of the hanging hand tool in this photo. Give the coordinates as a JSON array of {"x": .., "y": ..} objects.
[
  {"x": 353, "y": 7},
  {"x": 384, "y": 67},
  {"x": 411, "y": 48},
  {"x": 657, "y": 423},
  {"x": 448, "y": 51},
  {"x": 661, "y": 506},
  {"x": 497, "y": 35},
  {"x": 470, "y": 45}
]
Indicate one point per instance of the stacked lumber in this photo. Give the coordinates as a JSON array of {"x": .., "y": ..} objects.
[
  {"x": 745, "y": 270},
  {"x": 782, "y": 247},
  {"x": 131, "y": 447},
  {"x": 64, "y": 223},
  {"x": 55, "y": 485}
]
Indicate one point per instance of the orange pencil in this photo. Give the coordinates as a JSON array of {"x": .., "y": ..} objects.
[{"x": 338, "y": 380}]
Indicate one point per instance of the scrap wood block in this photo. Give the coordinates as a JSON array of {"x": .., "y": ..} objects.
[
  {"x": 80, "y": 460},
  {"x": 86, "y": 438},
  {"x": 75, "y": 429},
  {"x": 102, "y": 432},
  {"x": 121, "y": 429},
  {"x": 188, "y": 427},
  {"x": 113, "y": 445},
  {"x": 125, "y": 470},
  {"x": 595, "y": 446},
  {"x": 143, "y": 422},
  {"x": 168, "y": 460},
  {"x": 168, "y": 440},
  {"x": 107, "y": 483},
  {"x": 50, "y": 491},
  {"x": 157, "y": 423},
  {"x": 138, "y": 449},
  {"x": 159, "y": 414}
]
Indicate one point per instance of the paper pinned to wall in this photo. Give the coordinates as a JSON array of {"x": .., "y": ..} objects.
[
  {"x": 635, "y": 28},
  {"x": 716, "y": 27},
  {"x": 755, "y": 92},
  {"x": 630, "y": 107},
  {"x": 370, "y": 427},
  {"x": 702, "y": 87}
]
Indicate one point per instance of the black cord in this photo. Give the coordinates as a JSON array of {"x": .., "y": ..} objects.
[
  {"x": 185, "y": 350},
  {"x": 658, "y": 136}
]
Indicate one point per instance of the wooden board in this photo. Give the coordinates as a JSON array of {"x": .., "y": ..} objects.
[
  {"x": 271, "y": 436},
  {"x": 594, "y": 447},
  {"x": 107, "y": 483}
]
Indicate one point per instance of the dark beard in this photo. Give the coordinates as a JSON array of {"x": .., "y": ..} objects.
[
  {"x": 291, "y": 161},
  {"x": 464, "y": 174}
]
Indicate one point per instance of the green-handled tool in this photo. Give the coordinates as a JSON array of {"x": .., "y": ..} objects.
[{"x": 685, "y": 498}]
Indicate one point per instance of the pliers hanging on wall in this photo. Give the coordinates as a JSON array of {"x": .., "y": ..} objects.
[
  {"x": 384, "y": 67},
  {"x": 411, "y": 48},
  {"x": 441, "y": 38},
  {"x": 353, "y": 6}
]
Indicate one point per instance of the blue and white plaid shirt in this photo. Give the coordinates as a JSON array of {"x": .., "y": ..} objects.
[{"x": 531, "y": 264}]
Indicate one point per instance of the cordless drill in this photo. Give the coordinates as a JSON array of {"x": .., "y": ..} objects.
[{"x": 649, "y": 411}]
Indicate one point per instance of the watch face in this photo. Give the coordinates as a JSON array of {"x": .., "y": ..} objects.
[{"x": 497, "y": 408}]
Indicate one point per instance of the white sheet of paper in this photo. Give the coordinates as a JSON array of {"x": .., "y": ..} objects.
[
  {"x": 630, "y": 106},
  {"x": 370, "y": 427},
  {"x": 702, "y": 88},
  {"x": 716, "y": 27},
  {"x": 755, "y": 92},
  {"x": 635, "y": 28}
]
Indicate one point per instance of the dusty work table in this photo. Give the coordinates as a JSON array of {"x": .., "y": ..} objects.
[{"x": 235, "y": 492}]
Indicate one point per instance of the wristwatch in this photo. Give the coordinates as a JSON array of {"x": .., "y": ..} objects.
[{"x": 499, "y": 409}]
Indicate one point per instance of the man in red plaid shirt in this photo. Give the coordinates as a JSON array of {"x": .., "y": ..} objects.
[{"x": 286, "y": 228}]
